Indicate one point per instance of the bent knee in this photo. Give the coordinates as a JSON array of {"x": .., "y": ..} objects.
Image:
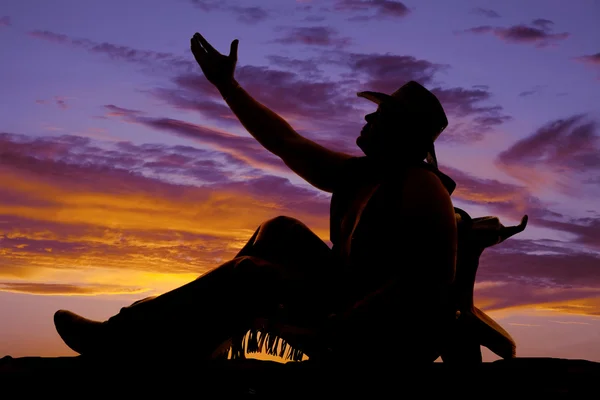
[
  {"x": 281, "y": 222},
  {"x": 283, "y": 229}
]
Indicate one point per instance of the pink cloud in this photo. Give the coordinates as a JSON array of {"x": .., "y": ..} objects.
[
  {"x": 59, "y": 101},
  {"x": 5, "y": 21},
  {"x": 558, "y": 153},
  {"x": 591, "y": 59}
]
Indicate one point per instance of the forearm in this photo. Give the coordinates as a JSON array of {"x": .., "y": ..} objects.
[{"x": 268, "y": 128}]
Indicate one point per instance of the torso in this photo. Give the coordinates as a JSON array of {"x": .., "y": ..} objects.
[{"x": 358, "y": 208}]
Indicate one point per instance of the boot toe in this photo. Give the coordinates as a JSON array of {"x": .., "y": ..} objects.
[{"x": 79, "y": 333}]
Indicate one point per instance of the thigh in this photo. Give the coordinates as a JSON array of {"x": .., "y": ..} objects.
[{"x": 290, "y": 243}]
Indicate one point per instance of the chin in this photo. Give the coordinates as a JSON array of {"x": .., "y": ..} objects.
[{"x": 363, "y": 144}]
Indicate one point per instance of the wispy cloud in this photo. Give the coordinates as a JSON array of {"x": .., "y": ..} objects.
[
  {"x": 571, "y": 322},
  {"x": 312, "y": 36},
  {"x": 65, "y": 289},
  {"x": 5, "y": 21},
  {"x": 117, "y": 52},
  {"x": 533, "y": 91},
  {"x": 365, "y": 10},
  {"x": 538, "y": 32},
  {"x": 593, "y": 59},
  {"x": 244, "y": 14},
  {"x": 485, "y": 12},
  {"x": 555, "y": 154},
  {"x": 59, "y": 101}
]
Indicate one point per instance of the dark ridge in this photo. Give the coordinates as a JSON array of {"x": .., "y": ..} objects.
[{"x": 549, "y": 377}]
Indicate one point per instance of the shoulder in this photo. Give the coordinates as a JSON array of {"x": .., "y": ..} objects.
[
  {"x": 418, "y": 200},
  {"x": 417, "y": 186},
  {"x": 352, "y": 170}
]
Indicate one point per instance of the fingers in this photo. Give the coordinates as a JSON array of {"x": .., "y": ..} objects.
[
  {"x": 204, "y": 43},
  {"x": 195, "y": 46},
  {"x": 233, "y": 49},
  {"x": 197, "y": 50}
]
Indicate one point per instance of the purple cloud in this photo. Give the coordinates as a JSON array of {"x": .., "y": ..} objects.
[
  {"x": 538, "y": 33},
  {"x": 556, "y": 153},
  {"x": 312, "y": 36},
  {"x": 513, "y": 201},
  {"x": 460, "y": 102},
  {"x": 241, "y": 149},
  {"x": 308, "y": 68},
  {"x": 207, "y": 5},
  {"x": 55, "y": 156},
  {"x": 542, "y": 23},
  {"x": 381, "y": 8},
  {"x": 387, "y": 72},
  {"x": 529, "y": 263},
  {"x": 524, "y": 272},
  {"x": 324, "y": 105},
  {"x": 5, "y": 21},
  {"x": 486, "y": 12},
  {"x": 591, "y": 59},
  {"x": 251, "y": 15},
  {"x": 248, "y": 15},
  {"x": 118, "y": 52},
  {"x": 530, "y": 92},
  {"x": 328, "y": 108}
]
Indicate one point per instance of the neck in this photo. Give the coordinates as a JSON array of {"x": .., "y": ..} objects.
[{"x": 388, "y": 167}]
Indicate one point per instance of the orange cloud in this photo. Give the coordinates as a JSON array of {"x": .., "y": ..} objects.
[
  {"x": 65, "y": 289},
  {"x": 58, "y": 212}
]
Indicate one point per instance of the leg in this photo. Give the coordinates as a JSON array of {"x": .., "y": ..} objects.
[
  {"x": 218, "y": 302},
  {"x": 288, "y": 242}
]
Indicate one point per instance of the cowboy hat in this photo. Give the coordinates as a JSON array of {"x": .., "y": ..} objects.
[{"x": 419, "y": 103}]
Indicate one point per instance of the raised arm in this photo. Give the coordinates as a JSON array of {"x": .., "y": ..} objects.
[{"x": 316, "y": 164}]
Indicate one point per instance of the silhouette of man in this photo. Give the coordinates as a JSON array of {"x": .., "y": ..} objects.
[{"x": 391, "y": 217}]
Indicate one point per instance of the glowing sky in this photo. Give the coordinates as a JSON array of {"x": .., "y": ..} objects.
[{"x": 124, "y": 174}]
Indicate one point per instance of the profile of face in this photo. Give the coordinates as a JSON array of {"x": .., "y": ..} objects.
[
  {"x": 378, "y": 133},
  {"x": 395, "y": 132},
  {"x": 368, "y": 134}
]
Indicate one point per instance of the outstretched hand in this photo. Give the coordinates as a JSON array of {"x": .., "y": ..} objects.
[{"x": 217, "y": 67}]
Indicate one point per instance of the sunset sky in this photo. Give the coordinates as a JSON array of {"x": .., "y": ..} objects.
[{"x": 124, "y": 174}]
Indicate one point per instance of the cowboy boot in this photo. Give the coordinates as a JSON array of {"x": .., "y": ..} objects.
[{"x": 96, "y": 338}]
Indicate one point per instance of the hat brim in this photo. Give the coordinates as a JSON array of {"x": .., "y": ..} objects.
[{"x": 375, "y": 97}]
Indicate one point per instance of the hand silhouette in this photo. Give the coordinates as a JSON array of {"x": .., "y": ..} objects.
[{"x": 217, "y": 67}]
